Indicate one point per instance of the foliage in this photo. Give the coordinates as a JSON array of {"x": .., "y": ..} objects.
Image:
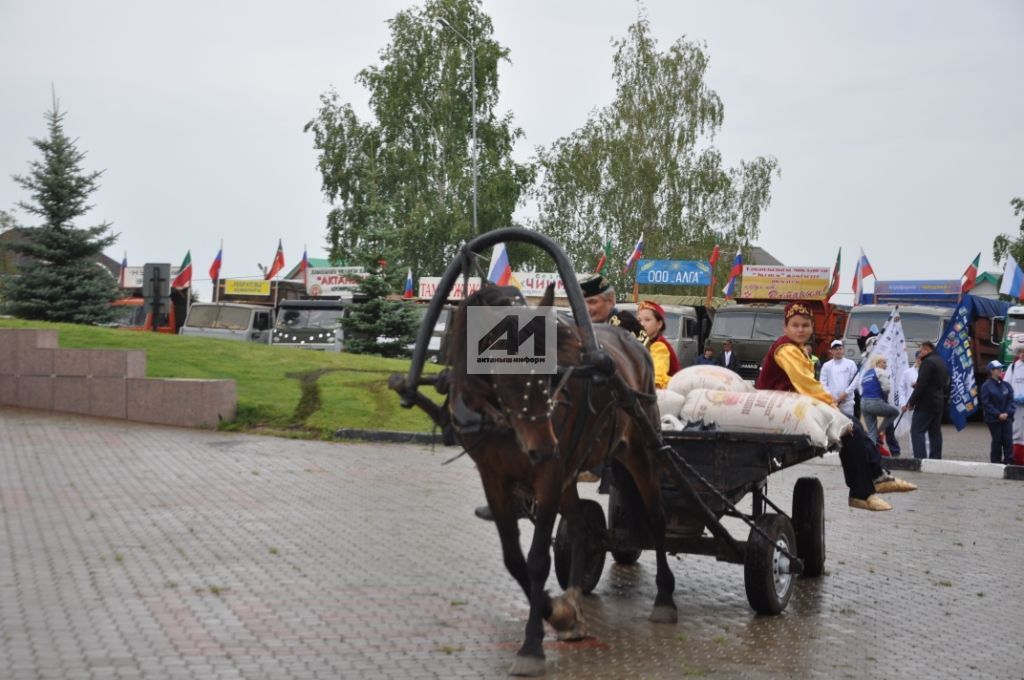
[
  {"x": 378, "y": 325},
  {"x": 1007, "y": 244},
  {"x": 400, "y": 185},
  {"x": 62, "y": 280},
  {"x": 7, "y": 221},
  {"x": 353, "y": 389},
  {"x": 644, "y": 164}
]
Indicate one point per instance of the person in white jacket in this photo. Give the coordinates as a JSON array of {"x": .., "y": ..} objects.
[
  {"x": 839, "y": 376},
  {"x": 1015, "y": 376}
]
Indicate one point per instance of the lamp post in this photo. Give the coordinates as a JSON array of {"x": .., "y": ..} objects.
[{"x": 472, "y": 46}]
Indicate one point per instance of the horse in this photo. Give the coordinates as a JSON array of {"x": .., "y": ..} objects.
[{"x": 536, "y": 433}]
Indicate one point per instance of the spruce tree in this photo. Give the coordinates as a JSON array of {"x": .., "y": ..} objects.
[
  {"x": 63, "y": 279},
  {"x": 378, "y": 325}
]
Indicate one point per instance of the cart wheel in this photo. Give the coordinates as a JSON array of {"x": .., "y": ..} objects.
[
  {"x": 766, "y": 574},
  {"x": 809, "y": 524},
  {"x": 593, "y": 547},
  {"x": 618, "y": 518}
]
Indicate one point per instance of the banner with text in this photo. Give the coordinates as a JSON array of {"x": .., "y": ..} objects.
[
  {"x": 764, "y": 282},
  {"x": 246, "y": 287},
  {"x": 133, "y": 276},
  {"x": 532, "y": 284},
  {"x": 673, "y": 272},
  {"x": 333, "y": 281}
]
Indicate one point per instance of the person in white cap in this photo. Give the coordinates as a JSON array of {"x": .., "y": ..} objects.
[
  {"x": 998, "y": 408},
  {"x": 1015, "y": 376},
  {"x": 839, "y": 376}
]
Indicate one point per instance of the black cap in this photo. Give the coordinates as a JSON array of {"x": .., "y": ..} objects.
[{"x": 595, "y": 285}]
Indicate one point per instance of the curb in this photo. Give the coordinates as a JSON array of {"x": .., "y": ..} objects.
[
  {"x": 388, "y": 436},
  {"x": 958, "y": 468}
]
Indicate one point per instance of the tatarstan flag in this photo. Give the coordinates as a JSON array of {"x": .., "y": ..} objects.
[
  {"x": 971, "y": 275},
  {"x": 834, "y": 287},
  {"x": 604, "y": 254},
  {"x": 278, "y": 263},
  {"x": 184, "y": 277}
]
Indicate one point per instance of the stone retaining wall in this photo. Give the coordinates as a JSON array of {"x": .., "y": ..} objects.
[{"x": 110, "y": 383}]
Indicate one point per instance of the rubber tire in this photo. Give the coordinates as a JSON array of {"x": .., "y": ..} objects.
[
  {"x": 618, "y": 518},
  {"x": 764, "y": 593},
  {"x": 593, "y": 547},
  {"x": 809, "y": 524}
]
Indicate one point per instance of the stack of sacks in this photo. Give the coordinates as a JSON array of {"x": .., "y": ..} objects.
[
  {"x": 702, "y": 377},
  {"x": 768, "y": 411}
]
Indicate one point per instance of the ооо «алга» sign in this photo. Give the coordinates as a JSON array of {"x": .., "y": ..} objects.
[{"x": 674, "y": 272}]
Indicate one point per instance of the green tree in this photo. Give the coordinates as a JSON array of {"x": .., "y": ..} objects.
[
  {"x": 7, "y": 221},
  {"x": 644, "y": 165},
  {"x": 400, "y": 185},
  {"x": 378, "y": 325},
  {"x": 1007, "y": 244},
  {"x": 62, "y": 280}
]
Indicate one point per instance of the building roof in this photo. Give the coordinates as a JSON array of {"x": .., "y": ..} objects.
[
  {"x": 10, "y": 260},
  {"x": 760, "y": 256},
  {"x": 293, "y": 273}
]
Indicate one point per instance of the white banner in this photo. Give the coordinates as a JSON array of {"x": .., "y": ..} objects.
[
  {"x": 532, "y": 284},
  {"x": 893, "y": 346},
  {"x": 333, "y": 281},
  {"x": 133, "y": 276}
]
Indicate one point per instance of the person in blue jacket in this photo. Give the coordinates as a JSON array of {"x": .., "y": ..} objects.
[{"x": 998, "y": 406}]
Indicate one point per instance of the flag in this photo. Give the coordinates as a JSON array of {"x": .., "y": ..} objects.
[
  {"x": 278, "y": 263},
  {"x": 713, "y": 260},
  {"x": 638, "y": 252},
  {"x": 215, "y": 267},
  {"x": 734, "y": 273},
  {"x": 184, "y": 277},
  {"x": 892, "y": 344},
  {"x": 955, "y": 349},
  {"x": 603, "y": 256},
  {"x": 407, "y": 294},
  {"x": 1013, "y": 279},
  {"x": 860, "y": 272},
  {"x": 971, "y": 274},
  {"x": 501, "y": 270},
  {"x": 304, "y": 267},
  {"x": 834, "y": 286},
  {"x": 124, "y": 271}
]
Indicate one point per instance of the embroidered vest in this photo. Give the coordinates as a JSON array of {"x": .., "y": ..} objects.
[{"x": 772, "y": 377}]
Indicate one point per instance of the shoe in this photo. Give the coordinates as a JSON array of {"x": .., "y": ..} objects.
[
  {"x": 872, "y": 502},
  {"x": 587, "y": 476},
  {"x": 894, "y": 485},
  {"x": 484, "y": 513}
]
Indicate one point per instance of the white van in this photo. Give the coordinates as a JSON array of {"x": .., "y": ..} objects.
[{"x": 229, "y": 321}]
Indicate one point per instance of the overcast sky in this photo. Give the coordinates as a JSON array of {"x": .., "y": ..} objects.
[{"x": 898, "y": 126}]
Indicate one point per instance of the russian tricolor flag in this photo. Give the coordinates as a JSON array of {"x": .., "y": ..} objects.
[
  {"x": 862, "y": 271},
  {"x": 304, "y": 267},
  {"x": 501, "y": 270},
  {"x": 638, "y": 252},
  {"x": 1013, "y": 279},
  {"x": 734, "y": 273},
  {"x": 215, "y": 267},
  {"x": 407, "y": 293}
]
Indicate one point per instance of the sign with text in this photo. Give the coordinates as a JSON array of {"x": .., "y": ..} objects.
[
  {"x": 333, "y": 281},
  {"x": 673, "y": 272},
  {"x": 917, "y": 289},
  {"x": 246, "y": 287},
  {"x": 532, "y": 284},
  {"x": 762, "y": 282},
  {"x": 133, "y": 276}
]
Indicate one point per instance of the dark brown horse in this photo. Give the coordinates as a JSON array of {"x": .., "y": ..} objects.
[{"x": 532, "y": 434}]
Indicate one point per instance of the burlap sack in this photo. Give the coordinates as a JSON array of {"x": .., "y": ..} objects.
[
  {"x": 669, "y": 402},
  {"x": 767, "y": 411},
  {"x": 707, "y": 377}
]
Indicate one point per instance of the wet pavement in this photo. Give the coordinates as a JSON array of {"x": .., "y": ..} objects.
[{"x": 130, "y": 551}]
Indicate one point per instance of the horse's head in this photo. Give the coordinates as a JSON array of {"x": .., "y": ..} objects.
[{"x": 522, "y": 402}]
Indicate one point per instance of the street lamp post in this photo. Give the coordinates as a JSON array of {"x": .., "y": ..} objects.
[{"x": 472, "y": 46}]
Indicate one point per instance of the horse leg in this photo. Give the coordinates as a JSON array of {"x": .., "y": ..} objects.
[
  {"x": 530, "y": 658},
  {"x": 567, "y": 609},
  {"x": 647, "y": 484}
]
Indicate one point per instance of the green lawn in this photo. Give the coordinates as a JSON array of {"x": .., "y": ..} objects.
[{"x": 343, "y": 390}]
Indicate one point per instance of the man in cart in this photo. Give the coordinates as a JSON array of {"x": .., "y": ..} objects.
[{"x": 787, "y": 368}]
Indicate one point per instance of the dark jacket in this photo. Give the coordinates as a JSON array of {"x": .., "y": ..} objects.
[
  {"x": 932, "y": 385},
  {"x": 734, "y": 362},
  {"x": 996, "y": 398}
]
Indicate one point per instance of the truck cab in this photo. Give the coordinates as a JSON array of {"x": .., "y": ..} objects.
[
  {"x": 1014, "y": 328},
  {"x": 752, "y": 328},
  {"x": 682, "y": 330},
  {"x": 920, "y": 323},
  {"x": 229, "y": 321},
  {"x": 310, "y": 324}
]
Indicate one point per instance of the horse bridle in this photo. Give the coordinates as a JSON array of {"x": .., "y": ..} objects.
[{"x": 550, "y": 394}]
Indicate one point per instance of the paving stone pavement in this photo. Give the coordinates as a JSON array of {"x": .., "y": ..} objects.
[{"x": 133, "y": 551}]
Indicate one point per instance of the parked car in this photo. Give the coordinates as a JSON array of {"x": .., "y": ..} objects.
[{"x": 229, "y": 321}]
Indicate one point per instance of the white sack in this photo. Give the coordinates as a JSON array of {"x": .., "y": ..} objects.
[
  {"x": 707, "y": 377},
  {"x": 669, "y": 403},
  {"x": 768, "y": 411}
]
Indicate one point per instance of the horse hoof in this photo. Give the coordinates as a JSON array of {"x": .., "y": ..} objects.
[
  {"x": 574, "y": 634},
  {"x": 664, "y": 614},
  {"x": 527, "y": 666},
  {"x": 564, "y": 614}
]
